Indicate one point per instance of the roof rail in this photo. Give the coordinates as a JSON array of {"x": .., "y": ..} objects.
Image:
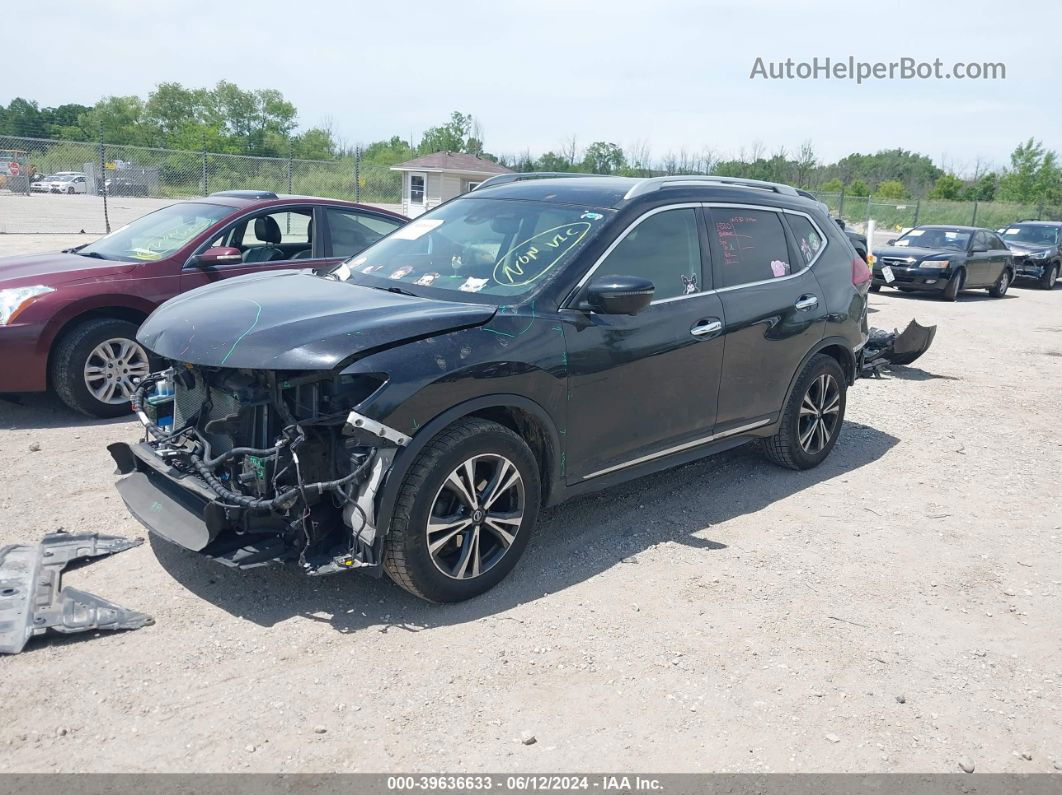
[
  {"x": 657, "y": 183},
  {"x": 520, "y": 176},
  {"x": 247, "y": 194}
]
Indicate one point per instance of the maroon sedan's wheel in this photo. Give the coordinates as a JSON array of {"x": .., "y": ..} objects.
[{"x": 95, "y": 365}]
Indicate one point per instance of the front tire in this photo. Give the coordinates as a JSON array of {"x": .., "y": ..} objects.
[
  {"x": 875, "y": 288},
  {"x": 1047, "y": 281},
  {"x": 94, "y": 365},
  {"x": 954, "y": 286},
  {"x": 464, "y": 512},
  {"x": 812, "y": 418},
  {"x": 999, "y": 289}
]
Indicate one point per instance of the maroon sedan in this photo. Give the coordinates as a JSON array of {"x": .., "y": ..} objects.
[{"x": 68, "y": 321}]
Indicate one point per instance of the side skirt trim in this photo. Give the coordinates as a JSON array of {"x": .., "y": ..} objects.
[{"x": 678, "y": 448}]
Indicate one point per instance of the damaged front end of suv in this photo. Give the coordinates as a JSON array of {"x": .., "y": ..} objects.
[{"x": 252, "y": 466}]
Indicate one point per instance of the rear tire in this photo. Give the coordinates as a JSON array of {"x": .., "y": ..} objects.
[
  {"x": 812, "y": 418},
  {"x": 999, "y": 289},
  {"x": 954, "y": 286},
  {"x": 1047, "y": 281},
  {"x": 76, "y": 360},
  {"x": 475, "y": 529},
  {"x": 875, "y": 288}
]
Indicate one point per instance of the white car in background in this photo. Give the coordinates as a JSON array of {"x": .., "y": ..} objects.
[{"x": 62, "y": 182}]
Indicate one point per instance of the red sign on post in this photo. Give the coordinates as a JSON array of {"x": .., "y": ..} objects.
[{"x": 12, "y": 169}]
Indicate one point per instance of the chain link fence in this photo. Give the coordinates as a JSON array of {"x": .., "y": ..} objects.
[
  {"x": 68, "y": 187},
  {"x": 895, "y": 214},
  {"x": 96, "y": 186}
]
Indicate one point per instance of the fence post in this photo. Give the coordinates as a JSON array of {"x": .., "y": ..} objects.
[
  {"x": 869, "y": 196},
  {"x": 103, "y": 185},
  {"x": 840, "y": 208},
  {"x": 973, "y": 221},
  {"x": 357, "y": 173},
  {"x": 1040, "y": 211},
  {"x": 206, "y": 186},
  {"x": 918, "y": 206},
  {"x": 291, "y": 155}
]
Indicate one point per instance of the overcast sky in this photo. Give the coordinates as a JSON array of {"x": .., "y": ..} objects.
[{"x": 669, "y": 73}]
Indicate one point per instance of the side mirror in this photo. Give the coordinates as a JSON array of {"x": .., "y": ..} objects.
[
  {"x": 840, "y": 222},
  {"x": 219, "y": 255},
  {"x": 890, "y": 242},
  {"x": 618, "y": 295}
]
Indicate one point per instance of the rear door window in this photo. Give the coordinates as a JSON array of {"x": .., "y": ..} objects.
[
  {"x": 351, "y": 231},
  {"x": 752, "y": 245}
]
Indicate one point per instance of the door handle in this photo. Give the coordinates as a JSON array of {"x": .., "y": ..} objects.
[
  {"x": 806, "y": 302},
  {"x": 705, "y": 327}
]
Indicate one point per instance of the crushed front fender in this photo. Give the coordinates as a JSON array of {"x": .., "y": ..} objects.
[{"x": 32, "y": 599}]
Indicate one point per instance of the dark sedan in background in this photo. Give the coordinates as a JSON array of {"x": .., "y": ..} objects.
[
  {"x": 945, "y": 260},
  {"x": 1037, "y": 250}
]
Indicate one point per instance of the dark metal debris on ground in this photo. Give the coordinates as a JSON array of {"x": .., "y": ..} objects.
[{"x": 32, "y": 599}]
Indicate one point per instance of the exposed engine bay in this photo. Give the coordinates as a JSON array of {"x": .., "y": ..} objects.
[{"x": 252, "y": 467}]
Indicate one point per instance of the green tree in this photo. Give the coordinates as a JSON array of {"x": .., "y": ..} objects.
[
  {"x": 457, "y": 135},
  {"x": 551, "y": 161},
  {"x": 389, "y": 152},
  {"x": 832, "y": 186},
  {"x": 947, "y": 186},
  {"x": 891, "y": 189},
  {"x": 603, "y": 158},
  {"x": 23, "y": 117},
  {"x": 118, "y": 119},
  {"x": 858, "y": 188},
  {"x": 983, "y": 190},
  {"x": 1033, "y": 175}
]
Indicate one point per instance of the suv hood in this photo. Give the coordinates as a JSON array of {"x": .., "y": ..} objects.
[
  {"x": 55, "y": 269},
  {"x": 914, "y": 254},
  {"x": 1025, "y": 248},
  {"x": 293, "y": 320}
]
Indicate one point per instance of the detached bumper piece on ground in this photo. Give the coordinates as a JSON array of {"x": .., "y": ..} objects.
[
  {"x": 32, "y": 599},
  {"x": 886, "y": 348}
]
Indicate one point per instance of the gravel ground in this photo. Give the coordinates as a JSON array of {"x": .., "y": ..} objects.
[{"x": 896, "y": 609}]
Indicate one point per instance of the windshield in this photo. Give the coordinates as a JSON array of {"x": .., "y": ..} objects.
[
  {"x": 494, "y": 247},
  {"x": 955, "y": 240},
  {"x": 158, "y": 234},
  {"x": 1033, "y": 234}
]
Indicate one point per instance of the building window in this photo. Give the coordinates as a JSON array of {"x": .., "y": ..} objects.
[{"x": 473, "y": 185}]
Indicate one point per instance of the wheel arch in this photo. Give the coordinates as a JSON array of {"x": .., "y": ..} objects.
[
  {"x": 519, "y": 414},
  {"x": 835, "y": 347},
  {"x": 109, "y": 312}
]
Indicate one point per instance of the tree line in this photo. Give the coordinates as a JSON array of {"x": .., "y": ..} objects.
[{"x": 229, "y": 120}]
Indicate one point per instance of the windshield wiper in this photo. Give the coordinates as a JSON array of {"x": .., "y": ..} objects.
[
  {"x": 398, "y": 291},
  {"x": 95, "y": 254}
]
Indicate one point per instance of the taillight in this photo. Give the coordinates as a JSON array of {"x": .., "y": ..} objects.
[{"x": 860, "y": 272}]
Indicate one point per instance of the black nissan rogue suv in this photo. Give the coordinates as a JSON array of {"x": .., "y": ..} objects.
[{"x": 539, "y": 338}]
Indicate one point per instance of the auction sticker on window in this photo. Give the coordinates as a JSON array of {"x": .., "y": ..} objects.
[
  {"x": 416, "y": 229},
  {"x": 888, "y": 274}
]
